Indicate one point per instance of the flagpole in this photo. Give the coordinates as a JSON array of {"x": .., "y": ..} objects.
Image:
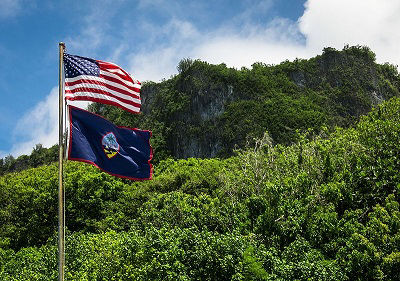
[{"x": 61, "y": 208}]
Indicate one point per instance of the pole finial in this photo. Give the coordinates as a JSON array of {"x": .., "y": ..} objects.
[{"x": 61, "y": 46}]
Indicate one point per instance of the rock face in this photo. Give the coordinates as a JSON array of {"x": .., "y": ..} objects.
[
  {"x": 206, "y": 110},
  {"x": 199, "y": 136},
  {"x": 195, "y": 131}
]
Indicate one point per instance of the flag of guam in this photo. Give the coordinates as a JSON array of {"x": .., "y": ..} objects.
[{"x": 120, "y": 151}]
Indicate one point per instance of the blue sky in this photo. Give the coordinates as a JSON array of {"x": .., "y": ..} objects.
[{"x": 149, "y": 38}]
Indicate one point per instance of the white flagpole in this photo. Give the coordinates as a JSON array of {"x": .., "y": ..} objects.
[{"x": 61, "y": 208}]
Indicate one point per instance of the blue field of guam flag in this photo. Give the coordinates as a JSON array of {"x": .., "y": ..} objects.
[{"x": 119, "y": 151}]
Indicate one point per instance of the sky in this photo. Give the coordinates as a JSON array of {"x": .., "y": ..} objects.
[{"x": 149, "y": 38}]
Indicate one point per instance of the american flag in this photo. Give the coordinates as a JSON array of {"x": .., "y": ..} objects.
[{"x": 104, "y": 82}]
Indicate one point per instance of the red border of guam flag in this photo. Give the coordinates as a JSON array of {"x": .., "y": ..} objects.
[{"x": 120, "y": 151}]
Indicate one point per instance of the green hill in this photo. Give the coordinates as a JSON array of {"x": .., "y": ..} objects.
[
  {"x": 208, "y": 110},
  {"x": 325, "y": 207}
]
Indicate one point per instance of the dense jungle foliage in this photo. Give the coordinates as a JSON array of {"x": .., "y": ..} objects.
[
  {"x": 208, "y": 110},
  {"x": 325, "y": 207}
]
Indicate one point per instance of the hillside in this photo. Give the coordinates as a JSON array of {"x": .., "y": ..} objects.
[
  {"x": 325, "y": 207},
  {"x": 208, "y": 110}
]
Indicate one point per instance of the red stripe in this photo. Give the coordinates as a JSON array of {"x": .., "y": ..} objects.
[
  {"x": 98, "y": 91},
  {"x": 108, "y": 65},
  {"x": 115, "y": 80},
  {"x": 102, "y": 84},
  {"x": 103, "y": 101},
  {"x": 105, "y": 66}
]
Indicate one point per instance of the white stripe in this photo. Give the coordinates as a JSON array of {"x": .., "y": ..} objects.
[
  {"x": 105, "y": 89},
  {"x": 95, "y": 78},
  {"x": 103, "y": 97},
  {"x": 97, "y": 94},
  {"x": 129, "y": 83}
]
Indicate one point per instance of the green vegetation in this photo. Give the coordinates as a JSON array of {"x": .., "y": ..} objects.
[
  {"x": 325, "y": 207},
  {"x": 292, "y": 196},
  {"x": 208, "y": 110},
  {"x": 39, "y": 156}
]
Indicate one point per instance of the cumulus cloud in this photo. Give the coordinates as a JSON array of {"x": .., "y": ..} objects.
[
  {"x": 374, "y": 23},
  {"x": 277, "y": 41}
]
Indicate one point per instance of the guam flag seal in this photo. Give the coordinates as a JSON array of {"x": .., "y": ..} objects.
[
  {"x": 119, "y": 151},
  {"x": 110, "y": 145}
]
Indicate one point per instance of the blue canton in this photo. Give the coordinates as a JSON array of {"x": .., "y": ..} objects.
[{"x": 76, "y": 65}]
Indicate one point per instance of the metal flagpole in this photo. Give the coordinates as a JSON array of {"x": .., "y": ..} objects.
[{"x": 61, "y": 210}]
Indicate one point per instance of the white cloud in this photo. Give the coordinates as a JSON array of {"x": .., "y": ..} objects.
[
  {"x": 278, "y": 40},
  {"x": 236, "y": 52},
  {"x": 156, "y": 65},
  {"x": 39, "y": 125},
  {"x": 272, "y": 44},
  {"x": 374, "y": 23}
]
